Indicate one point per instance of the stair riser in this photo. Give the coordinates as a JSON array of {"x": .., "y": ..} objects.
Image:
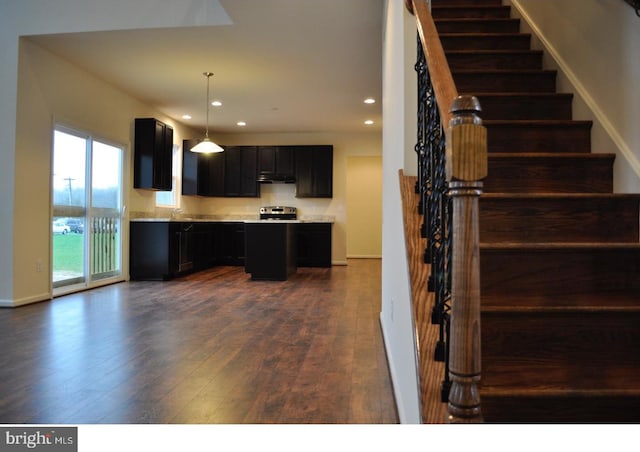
[
  {"x": 514, "y": 137},
  {"x": 558, "y": 220},
  {"x": 481, "y": 42},
  {"x": 568, "y": 409},
  {"x": 492, "y": 82},
  {"x": 539, "y": 175},
  {"x": 557, "y": 272},
  {"x": 470, "y": 12},
  {"x": 524, "y": 107},
  {"x": 547, "y": 350},
  {"x": 478, "y": 25},
  {"x": 489, "y": 60}
]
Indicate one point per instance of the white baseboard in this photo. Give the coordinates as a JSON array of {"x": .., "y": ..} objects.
[{"x": 25, "y": 301}]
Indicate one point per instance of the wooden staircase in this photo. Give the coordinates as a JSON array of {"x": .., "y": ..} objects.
[{"x": 560, "y": 252}]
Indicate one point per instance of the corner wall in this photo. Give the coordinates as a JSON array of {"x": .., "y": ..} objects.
[
  {"x": 397, "y": 313},
  {"x": 594, "y": 45}
]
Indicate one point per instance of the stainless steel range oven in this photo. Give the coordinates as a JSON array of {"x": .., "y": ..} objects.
[{"x": 278, "y": 213}]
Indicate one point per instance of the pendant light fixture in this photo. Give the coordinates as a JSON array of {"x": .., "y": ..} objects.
[{"x": 207, "y": 146}]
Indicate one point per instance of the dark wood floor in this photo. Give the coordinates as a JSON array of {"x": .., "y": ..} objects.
[{"x": 209, "y": 348}]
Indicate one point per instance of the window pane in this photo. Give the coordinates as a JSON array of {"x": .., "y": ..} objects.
[
  {"x": 105, "y": 210},
  {"x": 69, "y": 165},
  {"x": 170, "y": 198},
  {"x": 69, "y": 160}
]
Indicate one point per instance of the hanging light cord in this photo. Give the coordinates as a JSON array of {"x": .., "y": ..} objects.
[{"x": 208, "y": 74}]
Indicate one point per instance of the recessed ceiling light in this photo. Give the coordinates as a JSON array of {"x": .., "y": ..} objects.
[
  {"x": 368, "y": 122},
  {"x": 186, "y": 116},
  {"x": 241, "y": 123},
  {"x": 216, "y": 103},
  {"x": 369, "y": 100}
]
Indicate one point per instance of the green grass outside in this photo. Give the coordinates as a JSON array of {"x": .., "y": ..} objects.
[{"x": 68, "y": 253}]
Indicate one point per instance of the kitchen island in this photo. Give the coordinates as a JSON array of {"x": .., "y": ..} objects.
[{"x": 270, "y": 249}]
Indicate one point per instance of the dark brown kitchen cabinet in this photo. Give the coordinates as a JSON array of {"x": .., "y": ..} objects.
[
  {"x": 154, "y": 252},
  {"x": 232, "y": 243},
  {"x": 313, "y": 241},
  {"x": 202, "y": 174},
  {"x": 153, "y": 155},
  {"x": 314, "y": 171},
  {"x": 276, "y": 160},
  {"x": 241, "y": 171}
]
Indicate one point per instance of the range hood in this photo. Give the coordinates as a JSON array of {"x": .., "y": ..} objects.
[{"x": 266, "y": 177}]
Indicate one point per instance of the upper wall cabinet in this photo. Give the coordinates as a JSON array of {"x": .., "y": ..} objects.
[
  {"x": 276, "y": 160},
  {"x": 202, "y": 174},
  {"x": 153, "y": 148},
  {"x": 314, "y": 171},
  {"x": 241, "y": 171}
]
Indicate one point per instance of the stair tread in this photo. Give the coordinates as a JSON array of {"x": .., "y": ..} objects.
[
  {"x": 479, "y": 34},
  {"x": 532, "y": 246},
  {"x": 536, "y": 122},
  {"x": 565, "y": 391},
  {"x": 617, "y": 196},
  {"x": 554, "y": 155},
  {"x": 494, "y": 51},
  {"x": 627, "y": 298},
  {"x": 519, "y": 94},
  {"x": 503, "y": 71},
  {"x": 475, "y": 19}
]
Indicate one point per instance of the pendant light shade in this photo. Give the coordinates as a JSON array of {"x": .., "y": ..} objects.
[{"x": 207, "y": 146}]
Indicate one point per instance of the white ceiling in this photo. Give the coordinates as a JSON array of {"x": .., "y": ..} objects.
[{"x": 282, "y": 66}]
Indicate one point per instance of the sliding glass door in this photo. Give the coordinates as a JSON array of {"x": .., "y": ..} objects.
[{"x": 87, "y": 211}]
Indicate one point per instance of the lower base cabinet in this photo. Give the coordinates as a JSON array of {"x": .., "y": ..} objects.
[
  {"x": 161, "y": 250},
  {"x": 314, "y": 244}
]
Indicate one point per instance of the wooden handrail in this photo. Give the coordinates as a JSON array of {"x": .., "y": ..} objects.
[
  {"x": 443, "y": 85},
  {"x": 451, "y": 168}
]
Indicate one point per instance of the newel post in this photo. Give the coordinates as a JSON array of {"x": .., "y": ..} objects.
[{"x": 466, "y": 166}]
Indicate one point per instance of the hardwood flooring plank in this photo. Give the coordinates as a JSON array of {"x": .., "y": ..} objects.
[{"x": 212, "y": 347}]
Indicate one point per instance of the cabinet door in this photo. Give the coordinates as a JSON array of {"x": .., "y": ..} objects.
[
  {"x": 153, "y": 149},
  {"x": 266, "y": 159},
  {"x": 276, "y": 159},
  {"x": 150, "y": 253},
  {"x": 241, "y": 171},
  {"x": 314, "y": 171},
  {"x": 232, "y": 243},
  {"x": 285, "y": 159},
  {"x": 190, "y": 177},
  {"x": 323, "y": 171},
  {"x": 249, "y": 172},
  {"x": 314, "y": 244},
  {"x": 211, "y": 174},
  {"x": 165, "y": 159}
]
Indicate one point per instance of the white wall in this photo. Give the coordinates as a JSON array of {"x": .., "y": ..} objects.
[
  {"x": 595, "y": 44},
  {"x": 53, "y": 91},
  {"x": 397, "y": 316},
  {"x": 20, "y": 166},
  {"x": 364, "y": 207}
]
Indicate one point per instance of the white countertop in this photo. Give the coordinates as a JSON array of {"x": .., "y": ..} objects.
[{"x": 235, "y": 218}]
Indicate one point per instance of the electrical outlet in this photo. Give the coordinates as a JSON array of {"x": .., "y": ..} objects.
[{"x": 39, "y": 265}]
